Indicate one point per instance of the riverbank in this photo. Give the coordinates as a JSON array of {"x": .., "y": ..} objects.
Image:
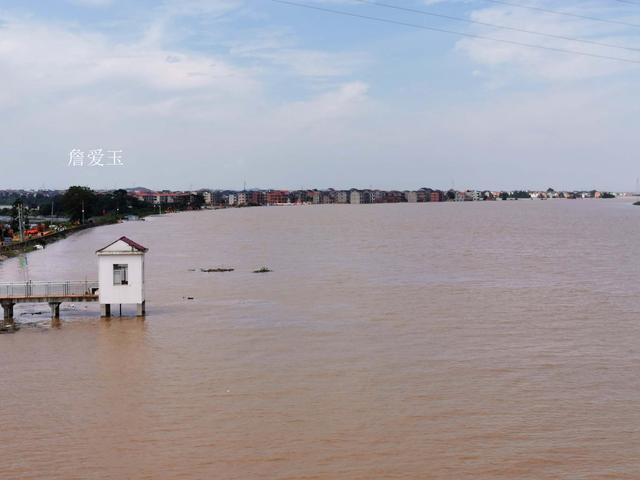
[{"x": 15, "y": 249}]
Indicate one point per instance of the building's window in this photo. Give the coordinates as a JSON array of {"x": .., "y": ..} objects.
[{"x": 120, "y": 274}]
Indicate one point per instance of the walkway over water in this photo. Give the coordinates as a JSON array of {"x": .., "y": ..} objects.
[{"x": 53, "y": 293}]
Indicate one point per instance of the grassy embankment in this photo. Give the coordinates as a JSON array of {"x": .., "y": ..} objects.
[{"x": 7, "y": 251}]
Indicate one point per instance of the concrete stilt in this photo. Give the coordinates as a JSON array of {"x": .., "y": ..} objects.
[
  {"x": 140, "y": 311},
  {"x": 105, "y": 310},
  {"x": 55, "y": 310},
  {"x": 7, "y": 307}
]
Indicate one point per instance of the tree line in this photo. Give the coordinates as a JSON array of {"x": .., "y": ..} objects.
[{"x": 77, "y": 203}]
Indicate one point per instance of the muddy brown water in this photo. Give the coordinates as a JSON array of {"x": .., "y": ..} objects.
[{"x": 420, "y": 341}]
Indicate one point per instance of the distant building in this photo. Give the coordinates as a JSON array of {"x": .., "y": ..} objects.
[
  {"x": 360, "y": 196},
  {"x": 436, "y": 196},
  {"x": 298, "y": 197},
  {"x": 218, "y": 198},
  {"x": 412, "y": 197},
  {"x": 342, "y": 196},
  {"x": 394, "y": 197},
  {"x": 326, "y": 198},
  {"x": 256, "y": 197},
  {"x": 488, "y": 195},
  {"x": 424, "y": 194},
  {"x": 471, "y": 195},
  {"x": 275, "y": 197},
  {"x": 160, "y": 198},
  {"x": 377, "y": 196},
  {"x": 242, "y": 199}
]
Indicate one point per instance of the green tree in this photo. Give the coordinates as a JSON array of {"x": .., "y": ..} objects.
[
  {"x": 121, "y": 201},
  {"x": 196, "y": 201},
  {"x": 77, "y": 198},
  {"x": 50, "y": 205}
]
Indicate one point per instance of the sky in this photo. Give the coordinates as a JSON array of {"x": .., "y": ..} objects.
[{"x": 215, "y": 93}]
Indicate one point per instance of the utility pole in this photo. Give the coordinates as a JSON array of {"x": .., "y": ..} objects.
[
  {"x": 21, "y": 221},
  {"x": 83, "y": 212}
]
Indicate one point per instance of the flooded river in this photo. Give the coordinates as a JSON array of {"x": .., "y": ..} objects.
[{"x": 418, "y": 341}]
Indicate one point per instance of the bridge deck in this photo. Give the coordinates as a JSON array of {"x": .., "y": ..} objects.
[
  {"x": 49, "y": 298},
  {"x": 34, "y": 290},
  {"x": 53, "y": 293}
]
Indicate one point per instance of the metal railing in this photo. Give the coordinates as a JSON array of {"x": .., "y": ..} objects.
[{"x": 48, "y": 289}]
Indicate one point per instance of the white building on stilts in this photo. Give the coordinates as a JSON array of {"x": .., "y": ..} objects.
[{"x": 121, "y": 275}]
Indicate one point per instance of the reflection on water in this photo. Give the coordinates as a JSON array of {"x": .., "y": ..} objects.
[{"x": 473, "y": 341}]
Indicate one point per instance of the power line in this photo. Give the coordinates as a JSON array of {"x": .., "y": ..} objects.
[
  {"x": 564, "y": 13},
  {"x": 453, "y": 32},
  {"x": 493, "y": 25}
]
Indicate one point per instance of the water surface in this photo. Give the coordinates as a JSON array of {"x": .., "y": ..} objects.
[{"x": 422, "y": 341}]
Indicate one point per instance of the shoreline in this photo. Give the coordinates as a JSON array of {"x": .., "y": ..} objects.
[
  {"x": 28, "y": 246},
  {"x": 11, "y": 251}
]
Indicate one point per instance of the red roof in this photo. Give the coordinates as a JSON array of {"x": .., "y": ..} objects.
[{"x": 129, "y": 242}]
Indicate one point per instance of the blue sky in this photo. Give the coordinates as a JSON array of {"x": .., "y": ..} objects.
[{"x": 212, "y": 93}]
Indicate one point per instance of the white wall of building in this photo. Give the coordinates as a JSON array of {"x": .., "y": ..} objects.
[{"x": 131, "y": 293}]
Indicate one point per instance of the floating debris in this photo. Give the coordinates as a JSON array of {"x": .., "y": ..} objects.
[
  {"x": 209, "y": 270},
  {"x": 190, "y": 298},
  {"x": 11, "y": 328},
  {"x": 263, "y": 270}
]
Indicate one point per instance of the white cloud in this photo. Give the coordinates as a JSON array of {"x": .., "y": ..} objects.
[
  {"x": 92, "y": 3},
  {"x": 513, "y": 61},
  {"x": 40, "y": 61},
  {"x": 342, "y": 102},
  {"x": 199, "y": 7},
  {"x": 311, "y": 63},
  {"x": 66, "y": 88}
]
